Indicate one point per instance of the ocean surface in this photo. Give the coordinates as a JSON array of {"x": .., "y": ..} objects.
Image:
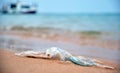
[{"x": 74, "y": 22}]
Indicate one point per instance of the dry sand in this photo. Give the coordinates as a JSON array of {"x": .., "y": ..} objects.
[{"x": 9, "y": 63}]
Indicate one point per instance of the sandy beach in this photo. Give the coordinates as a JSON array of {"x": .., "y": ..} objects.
[{"x": 13, "y": 64}]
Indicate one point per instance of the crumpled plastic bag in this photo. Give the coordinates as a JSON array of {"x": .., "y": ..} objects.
[{"x": 56, "y": 52}]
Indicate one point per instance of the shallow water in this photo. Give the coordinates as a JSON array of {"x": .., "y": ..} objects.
[
  {"x": 76, "y": 22},
  {"x": 19, "y": 44}
]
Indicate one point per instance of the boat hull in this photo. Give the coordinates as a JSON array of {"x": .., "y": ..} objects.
[{"x": 29, "y": 12}]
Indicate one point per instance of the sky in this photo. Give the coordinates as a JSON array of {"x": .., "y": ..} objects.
[{"x": 74, "y": 6}]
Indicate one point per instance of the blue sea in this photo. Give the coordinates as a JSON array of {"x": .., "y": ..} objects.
[{"x": 73, "y": 22}]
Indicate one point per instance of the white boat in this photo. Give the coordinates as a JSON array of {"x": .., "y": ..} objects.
[{"x": 18, "y": 7}]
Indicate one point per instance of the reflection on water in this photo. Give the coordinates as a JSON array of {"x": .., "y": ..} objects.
[{"x": 16, "y": 43}]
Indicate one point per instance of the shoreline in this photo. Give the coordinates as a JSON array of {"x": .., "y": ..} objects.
[
  {"x": 86, "y": 38},
  {"x": 14, "y": 64},
  {"x": 85, "y": 45}
]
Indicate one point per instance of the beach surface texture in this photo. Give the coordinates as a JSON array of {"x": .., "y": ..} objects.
[{"x": 14, "y": 64}]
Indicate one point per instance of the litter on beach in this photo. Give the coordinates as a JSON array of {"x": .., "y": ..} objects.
[{"x": 55, "y": 52}]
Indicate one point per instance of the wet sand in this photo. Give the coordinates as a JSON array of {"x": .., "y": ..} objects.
[
  {"x": 22, "y": 42},
  {"x": 13, "y": 64},
  {"x": 104, "y": 40}
]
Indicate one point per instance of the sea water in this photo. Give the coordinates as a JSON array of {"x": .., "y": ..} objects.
[{"x": 74, "y": 22}]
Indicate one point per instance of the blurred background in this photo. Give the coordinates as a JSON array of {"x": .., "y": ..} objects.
[{"x": 83, "y": 27}]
